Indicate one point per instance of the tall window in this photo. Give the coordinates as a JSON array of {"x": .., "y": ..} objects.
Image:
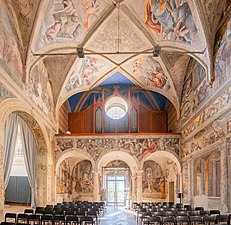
[{"x": 18, "y": 166}]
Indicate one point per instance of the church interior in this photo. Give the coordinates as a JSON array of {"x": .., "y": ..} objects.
[{"x": 118, "y": 102}]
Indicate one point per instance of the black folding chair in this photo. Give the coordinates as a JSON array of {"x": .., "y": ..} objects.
[{"x": 11, "y": 217}]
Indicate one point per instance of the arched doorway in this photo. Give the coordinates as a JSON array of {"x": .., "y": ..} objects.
[
  {"x": 41, "y": 140},
  {"x": 116, "y": 178},
  {"x": 121, "y": 168}
]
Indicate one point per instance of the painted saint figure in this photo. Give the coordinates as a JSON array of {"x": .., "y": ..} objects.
[
  {"x": 171, "y": 17},
  {"x": 66, "y": 23}
]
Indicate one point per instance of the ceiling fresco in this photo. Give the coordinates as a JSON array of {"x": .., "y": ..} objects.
[
  {"x": 69, "y": 20},
  {"x": 86, "y": 72},
  {"x": 117, "y": 38},
  {"x": 150, "y": 73},
  {"x": 170, "y": 20}
]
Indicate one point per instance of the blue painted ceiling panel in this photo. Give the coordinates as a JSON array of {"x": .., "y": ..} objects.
[
  {"x": 117, "y": 78},
  {"x": 160, "y": 99}
]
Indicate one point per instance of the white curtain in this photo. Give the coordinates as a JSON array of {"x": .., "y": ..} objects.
[
  {"x": 29, "y": 151},
  {"x": 10, "y": 136}
]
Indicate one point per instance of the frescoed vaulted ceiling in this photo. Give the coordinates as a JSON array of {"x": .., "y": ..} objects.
[{"x": 118, "y": 37}]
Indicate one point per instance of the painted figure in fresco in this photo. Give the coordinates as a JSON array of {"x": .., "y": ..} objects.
[
  {"x": 9, "y": 47},
  {"x": 82, "y": 173},
  {"x": 153, "y": 179},
  {"x": 150, "y": 72},
  {"x": 66, "y": 23},
  {"x": 86, "y": 70},
  {"x": 223, "y": 59},
  {"x": 173, "y": 17},
  {"x": 148, "y": 146},
  {"x": 64, "y": 179},
  {"x": 156, "y": 79},
  {"x": 150, "y": 19},
  {"x": 149, "y": 179},
  {"x": 91, "y": 8}
]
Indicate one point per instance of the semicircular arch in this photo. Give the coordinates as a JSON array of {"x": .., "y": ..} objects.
[
  {"x": 74, "y": 153},
  {"x": 26, "y": 112},
  {"x": 166, "y": 154},
  {"x": 130, "y": 160}
]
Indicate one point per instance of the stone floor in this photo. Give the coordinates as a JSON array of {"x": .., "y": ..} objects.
[{"x": 119, "y": 216}]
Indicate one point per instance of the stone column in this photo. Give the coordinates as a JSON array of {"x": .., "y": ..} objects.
[
  {"x": 191, "y": 181},
  {"x": 224, "y": 177},
  {"x": 96, "y": 185},
  {"x": 139, "y": 186}
]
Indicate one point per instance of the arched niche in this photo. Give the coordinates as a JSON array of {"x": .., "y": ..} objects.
[
  {"x": 200, "y": 177},
  {"x": 153, "y": 182},
  {"x": 27, "y": 113},
  {"x": 214, "y": 175},
  {"x": 154, "y": 156},
  {"x": 131, "y": 161},
  {"x": 169, "y": 167},
  {"x": 77, "y": 154},
  {"x": 74, "y": 172}
]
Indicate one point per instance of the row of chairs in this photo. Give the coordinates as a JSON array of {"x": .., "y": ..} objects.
[
  {"x": 70, "y": 208},
  {"x": 181, "y": 212},
  {"x": 189, "y": 220},
  {"x": 24, "y": 219},
  {"x": 166, "y": 206},
  {"x": 66, "y": 212},
  {"x": 166, "y": 212}
]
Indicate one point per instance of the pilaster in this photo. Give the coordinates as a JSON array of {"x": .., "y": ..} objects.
[
  {"x": 191, "y": 181},
  {"x": 224, "y": 177},
  {"x": 139, "y": 186},
  {"x": 96, "y": 185}
]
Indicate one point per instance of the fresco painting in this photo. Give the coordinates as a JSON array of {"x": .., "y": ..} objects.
[
  {"x": 185, "y": 183},
  {"x": 137, "y": 147},
  {"x": 222, "y": 54},
  {"x": 77, "y": 182},
  {"x": 37, "y": 132},
  {"x": 86, "y": 72},
  {"x": 206, "y": 140},
  {"x": 66, "y": 22},
  {"x": 153, "y": 180},
  {"x": 195, "y": 90},
  {"x": 69, "y": 20},
  {"x": 10, "y": 58},
  {"x": 5, "y": 93},
  {"x": 117, "y": 164},
  {"x": 172, "y": 174},
  {"x": 82, "y": 180},
  {"x": 64, "y": 180},
  {"x": 213, "y": 109},
  {"x": 39, "y": 89},
  {"x": 171, "y": 20},
  {"x": 91, "y": 7},
  {"x": 199, "y": 177},
  {"x": 150, "y": 73}
]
